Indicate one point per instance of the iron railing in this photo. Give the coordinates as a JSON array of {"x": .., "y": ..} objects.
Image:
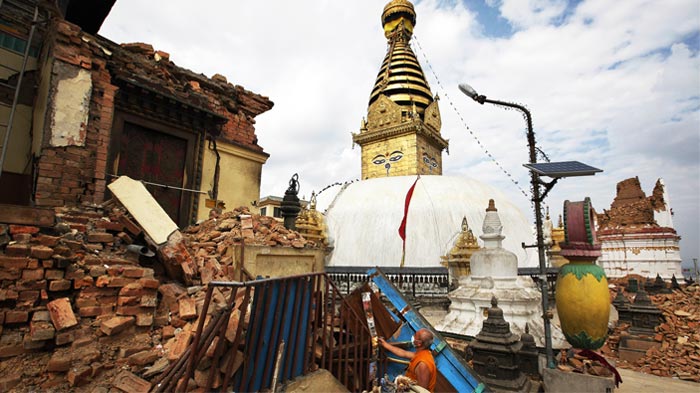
[{"x": 287, "y": 327}]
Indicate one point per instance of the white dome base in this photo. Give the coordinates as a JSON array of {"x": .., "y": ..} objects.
[{"x": 364, "y": 219}]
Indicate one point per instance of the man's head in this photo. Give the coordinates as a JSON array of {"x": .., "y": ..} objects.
[{"x": 423, "y": 339}]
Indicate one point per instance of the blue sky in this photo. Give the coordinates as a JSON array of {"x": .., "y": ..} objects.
[{"x": 615, "y": 84}]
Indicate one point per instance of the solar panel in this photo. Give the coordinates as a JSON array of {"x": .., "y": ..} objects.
[{"x": 562, "y": 169}]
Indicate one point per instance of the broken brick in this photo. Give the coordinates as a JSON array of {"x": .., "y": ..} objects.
[
  {"x": 116, "y": 325},
  {"x": 62, "y": 314}
]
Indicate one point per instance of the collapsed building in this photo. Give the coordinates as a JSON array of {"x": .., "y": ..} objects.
[
  {"x": 637, "y": 234},
  {"x": 77, "y": 109}
]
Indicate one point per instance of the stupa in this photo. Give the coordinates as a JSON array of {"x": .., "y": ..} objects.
[
  {"x": 494, "y": 272},
  {"x": 637, "y": 234},
  {"x": 401, "y": 142}
]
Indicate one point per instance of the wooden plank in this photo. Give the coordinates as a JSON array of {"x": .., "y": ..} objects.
[{"x": 27, "y": 215}]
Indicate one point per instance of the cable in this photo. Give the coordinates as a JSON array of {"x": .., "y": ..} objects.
[{"x": 464, "y": 123}]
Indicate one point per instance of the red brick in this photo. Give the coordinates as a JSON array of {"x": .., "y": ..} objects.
[
  {"x": 130, "y": 226},
  {"x": 48, "y": 241},
  {"x": 145, "y": 319},
  {"x": 116, "y": 325},
  {"x": 78, "y": 376},
  {"x": 22, "y": 237},
  {"x": 129, "y": 310},
  {"x": 109, "y": 225},
  {"x": 94, "y": 311},
  {"x": 85, "y": 282},
  {"x": 13, "y": 262},
  {"x": 10, "y": 274},
  {"x": 28, "y": 296},
  {"x": 32, "y": 274},
  {"x": 41, "y": 252},
  {"x": 23, "y": 229},
  {"x": 62, "y": 314},
  {"x": 63, "y": 338},
  {"x": 8, "y": 382},
  {"x": 149, "y": 283},
  {"x": 59, "y": 363},
  {"x": 7, "y": 351},
  {"x": 100, "y": 237},
  {"x": 59, "y": 285},
  {"x": 143, "y": 358},
  {"x": 41, "y": 330},
  {"x": 54, "y": 274},
  {"x": 134, "y": 272},
  {"x": 17, "y": 250},
  {"x": 15, "y": 316},
  {"x": 117, "y": 282},
  {"x": 187, "y": 308},
  {"x": 129, "y": 382}
]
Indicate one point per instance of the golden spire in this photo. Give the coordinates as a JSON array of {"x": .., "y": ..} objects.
[
  {"x": 458, "y": 259},
  {"x": 402, "y": 134},
  {"x": 311, "y": 224},
  {"x": 401, "y": 77}
]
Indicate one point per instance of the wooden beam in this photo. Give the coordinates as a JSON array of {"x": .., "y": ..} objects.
[{"x": 26, "y": 215}]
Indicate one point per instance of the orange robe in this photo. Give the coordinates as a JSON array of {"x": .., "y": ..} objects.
[{"x": 425, "y": 356}]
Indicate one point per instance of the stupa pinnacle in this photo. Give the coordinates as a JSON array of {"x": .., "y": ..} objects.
[{"x": 401, "y": 135}]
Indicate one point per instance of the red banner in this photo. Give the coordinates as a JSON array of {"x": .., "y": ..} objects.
[{"x": 402, "y": 227}]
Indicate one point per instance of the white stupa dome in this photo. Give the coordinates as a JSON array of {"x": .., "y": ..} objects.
[{"x": 364, "y": 218}]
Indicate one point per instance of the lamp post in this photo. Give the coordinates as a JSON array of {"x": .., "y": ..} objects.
[
  {"x": 554, "y": 170},
  {"x": 537, "y": 200}
]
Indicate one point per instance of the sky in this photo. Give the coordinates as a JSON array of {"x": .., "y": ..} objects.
[{"x": 613, "y": 84}]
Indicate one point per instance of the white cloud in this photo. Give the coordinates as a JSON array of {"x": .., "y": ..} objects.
[{"x": 612, "y": 85}]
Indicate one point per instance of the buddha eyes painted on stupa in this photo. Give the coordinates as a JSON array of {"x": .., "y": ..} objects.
[
  {"x": 429, "y": 161},
  {"x": 393, "y": 157}
]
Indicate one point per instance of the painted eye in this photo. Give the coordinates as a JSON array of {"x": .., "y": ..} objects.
[
  {"x": 426, "y": 160},
  {"x": 378, "y": 160},
  {"x": 396, "y": 157},
  {"x": 433, "y": 163}
]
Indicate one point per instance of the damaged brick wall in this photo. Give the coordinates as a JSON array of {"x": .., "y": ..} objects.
[
  {"x": 72, "y": 165},
  {"x": 76, "y": 139}
]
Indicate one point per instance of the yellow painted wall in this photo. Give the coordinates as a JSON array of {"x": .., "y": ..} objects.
[
  {"x": 19, "y": 145},
  {"x": 239, "y": 176}
]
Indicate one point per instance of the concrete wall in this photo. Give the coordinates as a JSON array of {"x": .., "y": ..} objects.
[
  {"x": 278, "y": 261},
  {"x": 239, "y": 176}
]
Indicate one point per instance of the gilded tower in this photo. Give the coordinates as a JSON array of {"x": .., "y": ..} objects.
[{"x": 401, "y": 135}]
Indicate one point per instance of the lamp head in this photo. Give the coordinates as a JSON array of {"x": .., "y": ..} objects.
[{"x": 468, "y": 90}]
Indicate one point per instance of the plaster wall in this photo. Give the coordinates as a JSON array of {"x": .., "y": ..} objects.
[
  {"x": 646, "y": 255},
  {"x": 41, "y": 105},
  {"x": 277, "y": 261},
  {"x": 13, "y": 61},
  {"x": 19, "y": 145},
  {"x": 71, "y": 105},
  {"x": 239, "y": 176}
]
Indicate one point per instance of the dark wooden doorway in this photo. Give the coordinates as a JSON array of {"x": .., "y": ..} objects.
[{"x": 149, "y": 152}]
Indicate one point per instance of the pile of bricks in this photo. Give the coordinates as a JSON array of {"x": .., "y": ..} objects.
[
  {"x": 678, "y": 354},
  {"x": 240, "y": 225},
  {"x": 82, "y": 309}
]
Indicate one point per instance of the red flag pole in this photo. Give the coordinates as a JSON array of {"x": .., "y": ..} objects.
[{"x": 402, "y": 227}]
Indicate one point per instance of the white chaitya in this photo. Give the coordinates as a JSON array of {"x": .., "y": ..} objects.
[
  {"x": 364, "y": 218},
  {"x": 637, "y": 234},
  {"x": 495, "y": 273}
]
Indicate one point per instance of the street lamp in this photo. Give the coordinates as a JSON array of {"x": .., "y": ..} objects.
[{"x": 555, "y": 170}]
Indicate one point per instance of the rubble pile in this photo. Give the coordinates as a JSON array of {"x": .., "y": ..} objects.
[
  {"x": 240, "y": 225},
  {"x": 87, "y": 302},
  {"x": 679, "y": 336}
]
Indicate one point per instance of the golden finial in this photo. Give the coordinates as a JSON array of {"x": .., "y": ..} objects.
[
  {"x": 396, "y": 12},
  {"x": 492, "y": 206}
]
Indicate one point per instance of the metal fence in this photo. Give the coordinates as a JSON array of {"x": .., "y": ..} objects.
[{"x": 287, "y": 327}]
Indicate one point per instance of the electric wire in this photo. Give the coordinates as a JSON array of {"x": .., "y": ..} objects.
[{"x": 464, "y": 123}]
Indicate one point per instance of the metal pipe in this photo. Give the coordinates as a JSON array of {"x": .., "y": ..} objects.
[
  {"x": 236, "y": 340},
  {"x": 17, "y": 89},
  {"x": 277, "y": 366},
  {"x": 197, "y": 335},
  {"x": 222, "y": 339}
]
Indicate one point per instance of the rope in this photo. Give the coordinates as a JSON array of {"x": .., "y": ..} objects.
[{"x": 464, "y": 123}]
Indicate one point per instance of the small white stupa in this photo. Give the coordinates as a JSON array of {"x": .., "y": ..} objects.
[{"x": 494, "y": 272}]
